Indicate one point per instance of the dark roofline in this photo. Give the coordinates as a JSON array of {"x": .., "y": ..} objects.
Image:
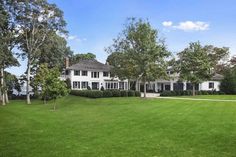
[{"x": 90, "y": 64}]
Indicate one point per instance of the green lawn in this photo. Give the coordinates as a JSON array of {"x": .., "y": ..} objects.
[
  {"x": 220, "y": 97},
  {"x": 118, "y": 127}
]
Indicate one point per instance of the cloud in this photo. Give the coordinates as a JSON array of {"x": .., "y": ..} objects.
[
  {"x": 167, "y": 23},
  {"x": 72, "y": 37},
  {"x": 188, "y": 25},
  {"x": 76, "y": 38}
]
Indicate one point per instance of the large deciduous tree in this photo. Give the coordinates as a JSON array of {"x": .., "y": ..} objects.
[
  {"x": 53, "y": 52},
  {"x": 36, "y": 19},
  {"x": 140, "y": 53},
  {"x": 8, "y": 41},
  {"x": 197, "y": 63},
  {"x": 77, "y": 57},
  {"x": 228, "y": 84}
]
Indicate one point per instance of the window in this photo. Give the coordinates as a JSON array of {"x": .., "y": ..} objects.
[
  {"x": 76, "y": 85},
  {"x": 126, "y": 85},
  {"x": 95, "y": 74},
  {"x": 105, "y": 74},
  {"x": 77, "y": 73},
  {"x": 211, "y": 84},
  {"x": 84, "y": 85},
  {"x": 67, "y": 72},
  {"x": 84, "y": 73},
  {"x": 115, "y": 85},
  {"x": 121, "y": 85},
  {"x": 111, "y": 85}
]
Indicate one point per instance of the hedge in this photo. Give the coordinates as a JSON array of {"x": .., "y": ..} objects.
[
  {"x": 105, "y": 93},
  {"x": 189, "y": 92}
]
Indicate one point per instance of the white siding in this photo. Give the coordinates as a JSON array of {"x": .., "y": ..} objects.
[
  {"x": 205, "y": 85},
  {"x": 101, "y": 80}
]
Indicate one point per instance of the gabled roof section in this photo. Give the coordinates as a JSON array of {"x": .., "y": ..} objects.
[
  {"x": 217, "y": 77},
  {"x": 91, "y": 65}
]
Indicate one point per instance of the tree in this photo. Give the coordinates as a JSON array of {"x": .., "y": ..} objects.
[
  {"x": 77, "y": 57},
  {"x": 35, "y": 20},
  {"x": 228, "y": 84},
  {"x": 51, "y": 86},
  {"x": 53, "y": 52},
  {"x": 55, "y": 87},
  {"x": 218, "y": 56},
  {"x": 11, "y": 83},
  {"x": 8, "y": 40},
  {"x": 194, "y": 65},
  {"x": 197, "y": 63},
  {"x": 40, "y": 80},
  {"x": 139, "y": 49},
  {"x": 233, "y": 62}
]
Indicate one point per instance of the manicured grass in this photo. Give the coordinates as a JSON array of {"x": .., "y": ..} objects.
[
  {"x": 118, "y": 127},
  {"x": 220, "y": 97}
]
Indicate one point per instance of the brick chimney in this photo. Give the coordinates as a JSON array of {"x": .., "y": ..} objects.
[{"x": 67, "y": 62}]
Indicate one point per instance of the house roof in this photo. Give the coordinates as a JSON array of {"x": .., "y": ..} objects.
[
  {"x": 90, "y": 64},
  {"x": 217, "y": 77}
]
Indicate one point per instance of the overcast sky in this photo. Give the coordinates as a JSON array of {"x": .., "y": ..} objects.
[{"x": 92, "y": 24}]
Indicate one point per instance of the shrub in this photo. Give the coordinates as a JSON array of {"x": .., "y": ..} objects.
[
  {"x": 131, "y": 93},
  {"x": 189, "y": 92},
  {"x": 94, "y": 94},
  {"x": 115, "y": 93},
  {"x": 124, "y": 93},
  {"x": 137, "y": 93},
  {"x": 88, "y": 88},
  {"x": 102, "y": 88},
  {"x": 107, "y": 93}
]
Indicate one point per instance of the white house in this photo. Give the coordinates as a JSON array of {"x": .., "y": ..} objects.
[
  {"x": 174, "y": 84},
  {"x": 93, "y": 74}
]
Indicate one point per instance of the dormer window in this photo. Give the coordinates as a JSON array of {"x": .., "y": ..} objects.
[
  {"x": 77, "y": 73},
  {"x": 84, "y": 73}
]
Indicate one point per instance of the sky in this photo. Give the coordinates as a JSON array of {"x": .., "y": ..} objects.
[{"x": 92, "y": 24}]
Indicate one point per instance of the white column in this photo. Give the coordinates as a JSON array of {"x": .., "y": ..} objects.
[
  {"x": 171, "y": 86},
  {"x": 184, "y": 86}
]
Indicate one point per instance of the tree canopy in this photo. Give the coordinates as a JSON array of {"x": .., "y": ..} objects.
[
  {"x": 138, "y": 52},
  {"x": 197, "y": 63},
  {"x": 35, "y": 20}
]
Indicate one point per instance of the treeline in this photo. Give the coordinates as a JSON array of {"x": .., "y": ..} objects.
[
  {"x": 36, "y": 29},
  {"x": 138, "y": 53}
]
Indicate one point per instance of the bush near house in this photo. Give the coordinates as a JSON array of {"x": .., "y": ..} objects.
[
  {"x": 189, "y": 92},
  {"x": 105, "y": 93}
]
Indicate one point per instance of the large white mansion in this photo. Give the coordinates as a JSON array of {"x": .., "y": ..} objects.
[
  {"x": 96, "y": 75},
  {"x": 92, "y": 74}
]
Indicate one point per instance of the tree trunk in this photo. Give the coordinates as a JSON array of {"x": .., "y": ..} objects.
[
  {"x": 6, "y": 97},
  {"x": 28, "y": 82},
  {"x": 145, "y": 88},
  {"x": 0, "y": 94},
  {"x": 136, "y": 85},
  {"x": 2, "y": 86},
  {"x": 194, "y": 89}
]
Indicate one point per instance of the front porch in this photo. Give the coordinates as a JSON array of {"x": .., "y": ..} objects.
[{"x": 159, "y": 86}]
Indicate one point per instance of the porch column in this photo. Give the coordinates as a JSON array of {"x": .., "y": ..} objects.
[
  {"x": 171, "y": 86},
  {"x": 184, "y": 86}
]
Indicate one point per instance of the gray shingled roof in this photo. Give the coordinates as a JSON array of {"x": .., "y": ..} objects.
[
  {"x": 91, "y": 65},
  {"x": 217, "y": 77}
]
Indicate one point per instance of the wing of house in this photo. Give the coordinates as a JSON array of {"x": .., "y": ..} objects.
[{"x": 93, "y": 74}]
